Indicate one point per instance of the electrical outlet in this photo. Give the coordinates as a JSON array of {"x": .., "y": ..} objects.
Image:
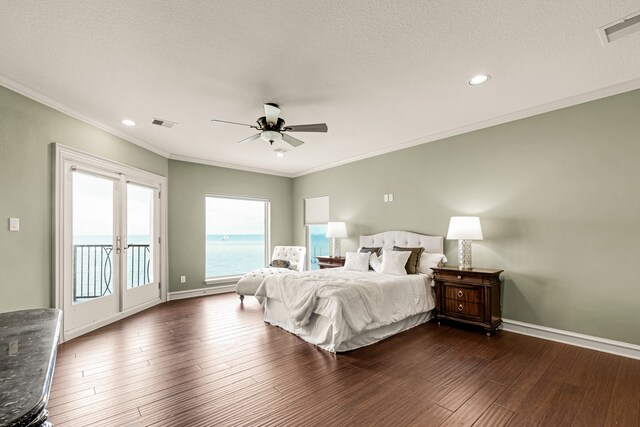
[
  {"x": 13, "y": 347},
  {"x": 14, "y": 224},
  {"x": 183, "y": 279}
]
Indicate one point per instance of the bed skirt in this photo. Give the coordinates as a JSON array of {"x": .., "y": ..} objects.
[{"x": 330, "y": 335}]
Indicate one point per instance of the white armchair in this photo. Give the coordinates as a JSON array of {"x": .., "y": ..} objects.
[{"x": 249, "y": 283}]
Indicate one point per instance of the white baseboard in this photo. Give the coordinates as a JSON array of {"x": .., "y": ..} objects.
[
  {"x": 191, "y": 293},
  {"x": 74, "y": 333},
  {"x": 587, "y": 341}
]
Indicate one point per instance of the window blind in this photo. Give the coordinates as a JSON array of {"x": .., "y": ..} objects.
[{"x": 316, "y": 210}]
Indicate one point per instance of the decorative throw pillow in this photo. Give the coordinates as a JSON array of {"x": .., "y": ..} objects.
[
  {"x": 280, "y": 263},
  {"x": 357, "y": 261},
  {"x": 414, "y": 258},
  {"x": 393, "y": 262},
  {"x": 376, "y": 251},
  {"x": 373, "y": 251},
  {"x": 428, "y": 261},
  {"x": 375, "y": 263}
]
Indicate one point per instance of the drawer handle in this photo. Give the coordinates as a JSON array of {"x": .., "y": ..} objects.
[
  {"x": 459, "y": 277},
  {"x": 460, "y": 307},
  {"x": 460, "y": 294}
]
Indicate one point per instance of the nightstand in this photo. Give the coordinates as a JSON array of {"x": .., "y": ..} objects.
[
  {"x": 330, "y": 261},
  {"x": 468, "y": 296}
]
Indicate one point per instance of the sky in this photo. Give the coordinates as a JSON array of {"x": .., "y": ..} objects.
[
  {"x": 93, "y": 206},
  {"x": 234, "y": 216},
  {"x": 93, "y": 210}
]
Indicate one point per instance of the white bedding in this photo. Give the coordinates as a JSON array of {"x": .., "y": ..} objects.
[{"x": 340, "y": 310}]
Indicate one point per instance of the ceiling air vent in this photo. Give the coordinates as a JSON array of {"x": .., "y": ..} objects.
[
  {"x": 620, "y": 28},
  {"x": 163, "y": 123}
]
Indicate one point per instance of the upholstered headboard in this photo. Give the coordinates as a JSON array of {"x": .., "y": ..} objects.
[{"x": 406, "y": 239}]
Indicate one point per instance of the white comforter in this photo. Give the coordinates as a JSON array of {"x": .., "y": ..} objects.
[{"x": 364, "y": 300}]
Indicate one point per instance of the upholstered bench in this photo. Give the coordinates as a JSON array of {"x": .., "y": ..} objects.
[{"x": 285, "y": 260}]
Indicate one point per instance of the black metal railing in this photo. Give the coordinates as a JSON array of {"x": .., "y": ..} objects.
[
  {"x": 139, "y": 262},
  {"x": 93, "y": 269}
]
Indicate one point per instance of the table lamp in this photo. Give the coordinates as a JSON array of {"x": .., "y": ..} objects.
[
  {"x": 464, "y": 229},
  {"x": 335, "y": 230}
]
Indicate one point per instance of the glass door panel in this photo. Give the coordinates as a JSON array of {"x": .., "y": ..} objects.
[
  {"x": 142, "y": 235},
  {"x": 94, "y": 278}
]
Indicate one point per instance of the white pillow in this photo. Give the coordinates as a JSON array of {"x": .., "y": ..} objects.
[
  {"x": 375, "y": 263},
  {"x": 393, "y": 262},
  {"x": 357, "y": 261},
  {"x": 428, "y": 261}
]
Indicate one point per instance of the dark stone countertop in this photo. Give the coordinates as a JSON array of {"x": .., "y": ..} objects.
[{"x": 28, "y": 347}]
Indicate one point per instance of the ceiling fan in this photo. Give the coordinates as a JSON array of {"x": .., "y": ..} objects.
[{"x": 271, "y": 127}]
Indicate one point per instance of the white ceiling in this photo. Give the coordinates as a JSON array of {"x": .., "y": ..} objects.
[{"x": 383, "y": 75}]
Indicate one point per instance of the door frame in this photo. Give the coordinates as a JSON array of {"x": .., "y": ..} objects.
[{"x": 64, "y": 157}]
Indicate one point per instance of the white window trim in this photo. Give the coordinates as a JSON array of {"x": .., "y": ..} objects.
[
  {"x": 64, "y": 156},
  {"x": 216, "y": 280}
]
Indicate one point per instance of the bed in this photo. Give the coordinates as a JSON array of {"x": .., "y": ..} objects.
[{"x": 341, "y": 309}]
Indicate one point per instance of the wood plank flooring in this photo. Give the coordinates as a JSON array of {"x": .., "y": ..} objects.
[{"x": 211, "y": 361}]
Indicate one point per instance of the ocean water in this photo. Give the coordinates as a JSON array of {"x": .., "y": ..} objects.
[
  {"x": 236, "y": 254},
  {"x": 227, "y": 256},
  {"x": 319, "y": 247},
  {"x": 108, "y": 240},
  {"x": 93, "y": 266}
]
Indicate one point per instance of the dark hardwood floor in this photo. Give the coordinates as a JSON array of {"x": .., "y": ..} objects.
[{"x": 211, "y": 361}]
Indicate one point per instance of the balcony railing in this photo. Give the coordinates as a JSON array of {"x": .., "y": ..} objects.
[{"x": 93, "y": 269}]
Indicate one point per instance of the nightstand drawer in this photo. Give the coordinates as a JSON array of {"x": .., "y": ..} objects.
[
  {"x": 462, "y": 308},
  {"x": 462, "y": 294},
  {"x": 463, "y": 277}
]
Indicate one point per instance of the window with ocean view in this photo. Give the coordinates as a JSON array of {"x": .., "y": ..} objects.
[
  {"x": 236, "y": 235},
  {"x": 318, "y": 243}
]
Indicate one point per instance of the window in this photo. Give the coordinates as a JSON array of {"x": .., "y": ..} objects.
[
  {"x": 316, "y": 216},
  {"x": 236, "y": 235},
  {"x": 318, "y": 243}
]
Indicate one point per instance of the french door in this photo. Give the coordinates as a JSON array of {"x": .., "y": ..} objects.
[{"x": 108, "y": 233}]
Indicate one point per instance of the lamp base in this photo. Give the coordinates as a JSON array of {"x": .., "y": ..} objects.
[
  {"x": 464, "y": 255},
  {"x": 335, "y": 247}
]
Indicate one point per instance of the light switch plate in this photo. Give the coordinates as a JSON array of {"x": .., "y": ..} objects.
[
  {"x": 14, "y": 224},
  {"x": 183, "y": 279},
  {"x": 386, "y": 198},
  {"x": 391, "y": 197}
]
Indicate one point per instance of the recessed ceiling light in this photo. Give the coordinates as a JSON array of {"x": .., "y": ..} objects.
[
  {"x": 479, "y": 79},
  {"x": 128, "y": 122},
  {"x": 280, "y": 152}
]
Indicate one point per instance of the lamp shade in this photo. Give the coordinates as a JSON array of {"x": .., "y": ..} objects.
[
  {"x": 464, "y": 228},
  {"x": 336, "y": 229}
]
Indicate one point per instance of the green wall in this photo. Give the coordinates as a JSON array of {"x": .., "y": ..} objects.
[
  {"x": 559, "y": 199},
  {"x": 188, "y": 185},
  {"x": 27, "y": 131},
  {"x": 557, "y": 195}
]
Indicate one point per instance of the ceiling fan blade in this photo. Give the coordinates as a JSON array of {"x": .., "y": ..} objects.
[
  {"x": 317, "y": 127},
  {"x": 251, "y": 138},
  {"x": 295, "y": 142},
  {"x": 271, "y": 113},
  {"x": 234, "y": 123}
]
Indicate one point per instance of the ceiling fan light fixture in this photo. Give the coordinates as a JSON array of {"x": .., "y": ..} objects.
[
  {"x": 479, "y": 79},
  {"x": 271, "y": 136}
]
